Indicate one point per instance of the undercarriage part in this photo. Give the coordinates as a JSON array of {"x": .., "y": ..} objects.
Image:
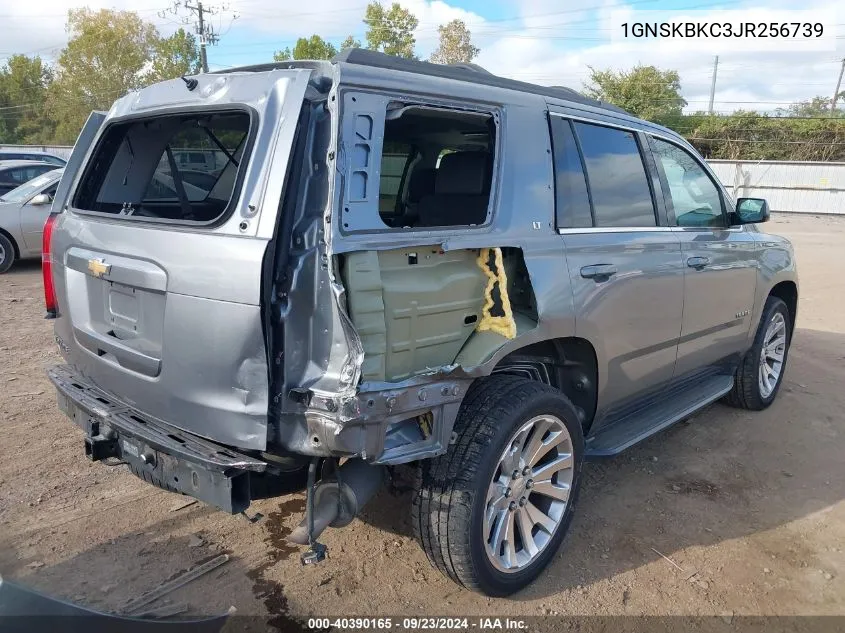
[
  {"x": 316, "y": 552},
  {"x": 336, "y": 502}
]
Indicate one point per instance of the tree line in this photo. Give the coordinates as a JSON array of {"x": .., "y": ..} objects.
[
  {"x": 110, "y": 53},
  {"x": 806, "y": 130}
]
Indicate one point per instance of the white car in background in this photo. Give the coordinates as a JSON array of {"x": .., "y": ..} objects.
[{"x": 23, "y": 212}]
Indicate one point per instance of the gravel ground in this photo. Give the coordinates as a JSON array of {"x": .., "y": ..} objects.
[{"x": 750, "y": 502}]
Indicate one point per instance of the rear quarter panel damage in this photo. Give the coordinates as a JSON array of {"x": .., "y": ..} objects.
[{"x": 342, "y": 420}]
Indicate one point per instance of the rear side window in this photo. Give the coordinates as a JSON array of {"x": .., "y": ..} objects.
[
  {"x": 572, "y": 202},
  {"x": 617, "y": 177},
  {"x": 436, "y": 168},
  {"x": 25, "y": 174},
  {"x": 137, "y": 170}
]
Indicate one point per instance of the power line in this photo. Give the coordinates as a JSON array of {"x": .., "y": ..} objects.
[{"x": 204, "y": 30}]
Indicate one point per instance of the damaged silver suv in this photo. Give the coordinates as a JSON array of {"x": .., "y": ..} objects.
[{"x": 392, "y": 262}]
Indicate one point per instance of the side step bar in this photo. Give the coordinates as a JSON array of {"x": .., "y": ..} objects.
[{"x": 650, "y": 420}]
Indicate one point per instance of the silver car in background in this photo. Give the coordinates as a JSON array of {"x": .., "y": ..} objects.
[{"x": 23, "y": 212}]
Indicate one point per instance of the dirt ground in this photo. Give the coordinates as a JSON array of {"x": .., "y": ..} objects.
[{"x": 753, "y": 503}]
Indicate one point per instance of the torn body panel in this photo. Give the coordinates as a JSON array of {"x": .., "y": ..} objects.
[{"x": 384, "y": 343}]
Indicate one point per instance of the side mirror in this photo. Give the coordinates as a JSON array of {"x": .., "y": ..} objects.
[
  {"x": 40, "y": 199},
  {"x": 751, "y": 211}
]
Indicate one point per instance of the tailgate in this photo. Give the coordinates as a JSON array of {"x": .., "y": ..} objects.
[{"x": 158, "y": 267}]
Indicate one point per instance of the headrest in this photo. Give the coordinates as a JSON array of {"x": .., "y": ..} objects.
[
  {"x": 462, "y": 173},
  {"x": 421, "y": 183}
]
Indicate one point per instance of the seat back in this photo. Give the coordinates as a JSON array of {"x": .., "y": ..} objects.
[{"x": 461, "y": 191}]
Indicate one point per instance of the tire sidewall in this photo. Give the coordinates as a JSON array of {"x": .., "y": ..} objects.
[
  {"x": 492, "y": 581},
  {"x": 9, "y": 257},
  {"x": 773, "y": 305}
]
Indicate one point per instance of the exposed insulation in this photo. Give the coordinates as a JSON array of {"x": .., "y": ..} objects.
[{"x": 496, "y": 314}]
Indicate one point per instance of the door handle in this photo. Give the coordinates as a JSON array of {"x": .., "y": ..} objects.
[
  {"x": 598, "y": 272},
  {"x": 698, "y": 262}
]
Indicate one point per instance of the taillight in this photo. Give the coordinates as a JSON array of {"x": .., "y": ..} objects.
[{"x": 47, "y": 267}]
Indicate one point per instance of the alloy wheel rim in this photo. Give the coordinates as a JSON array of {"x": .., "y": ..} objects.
[
  {"x": 528, "y": 494},
  {"x": 772, "y": 355},
  {"x": 2, "y": 254}
]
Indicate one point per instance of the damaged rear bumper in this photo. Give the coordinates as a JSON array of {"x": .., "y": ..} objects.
[
  {"x": 157, "y": 452},
  {"x": 382, "y": 423}
]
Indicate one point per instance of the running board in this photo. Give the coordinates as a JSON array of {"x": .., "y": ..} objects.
[{"x": 653, "y": 419}]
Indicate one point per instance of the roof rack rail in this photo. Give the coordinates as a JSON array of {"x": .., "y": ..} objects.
[{"x": 464, "y": 72}]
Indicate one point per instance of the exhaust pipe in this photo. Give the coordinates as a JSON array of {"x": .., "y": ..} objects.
[{"x": 336, "y": 505}]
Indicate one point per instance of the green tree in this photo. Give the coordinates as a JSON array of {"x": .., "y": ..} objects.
[
  {"x": 350, "y": 42},
  {"x": 24, "y": 82},
  {"x": 391, "y": 30},
  {"x": 750, "y": 135},
  {"x": 817, "y": 106},
  {"x": 645, "y": 91},
  {"x": 173, "y": 57},
  {"x": 455, "y": 44},
  {"x": 104, "y": 58},
  {"x": 314, "y": 47}
]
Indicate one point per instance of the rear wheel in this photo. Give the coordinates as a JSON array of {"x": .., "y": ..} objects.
[
  {"x": 491, "y": 513},
  {"x": 7, "y": 253},
  {"x": 760, "y": 374}
]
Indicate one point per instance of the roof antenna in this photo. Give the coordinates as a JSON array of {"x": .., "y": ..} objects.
[{"x": 190, "y": 82}]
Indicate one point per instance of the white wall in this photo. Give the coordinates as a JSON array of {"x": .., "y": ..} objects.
[{"x": 790, "y": 187}]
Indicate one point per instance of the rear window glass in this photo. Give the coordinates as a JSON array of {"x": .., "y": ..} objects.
[
  {"x": 182, "y": 168},
  {"x": 617, "y": 176},
  {"x": 572, "y": 202}
]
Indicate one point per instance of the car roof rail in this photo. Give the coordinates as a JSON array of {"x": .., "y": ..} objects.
[{"x": 464, "y": 72}]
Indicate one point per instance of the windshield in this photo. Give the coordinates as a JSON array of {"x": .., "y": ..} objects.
[{"x": 32, "y": 187}]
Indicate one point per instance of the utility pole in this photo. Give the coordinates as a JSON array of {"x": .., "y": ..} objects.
[
  {"x": 713, "y": 84},
  {"x": 205, "y": 35},
  {"x": 204, "y": 31},
  {"x": 836, "y": 91}
]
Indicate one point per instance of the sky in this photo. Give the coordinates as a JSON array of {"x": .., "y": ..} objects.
[{"x": 548, "y": 42}]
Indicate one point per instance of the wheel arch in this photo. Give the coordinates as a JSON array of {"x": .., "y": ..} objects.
[
  {"x": 787, "y": 291},
  {"x": 569, "y": 364}
]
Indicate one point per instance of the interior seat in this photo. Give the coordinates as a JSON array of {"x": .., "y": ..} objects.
[
  {"x": 461, "y": 191},
  {"x": 420, "y": 185}
]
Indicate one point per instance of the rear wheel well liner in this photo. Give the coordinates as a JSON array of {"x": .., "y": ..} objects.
[{"x": 569, "y": 364}]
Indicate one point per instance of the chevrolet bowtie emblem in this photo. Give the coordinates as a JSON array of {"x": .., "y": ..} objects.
[{"x": 98, "y": 267}]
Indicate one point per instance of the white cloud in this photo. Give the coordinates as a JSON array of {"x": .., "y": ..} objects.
[
  {"x": 546, "y": 42},
  {"x": 39, "y": 27},
  {"x": 746, "y": 78}
]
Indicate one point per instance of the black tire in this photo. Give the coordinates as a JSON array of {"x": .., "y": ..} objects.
[
  {"x": 746, "y": 392},
  {"x": 448, "y": 506},
  {"x": 7, "y": 253}
]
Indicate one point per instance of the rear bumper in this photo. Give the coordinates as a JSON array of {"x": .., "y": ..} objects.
[{"x": 157, "y": 452}]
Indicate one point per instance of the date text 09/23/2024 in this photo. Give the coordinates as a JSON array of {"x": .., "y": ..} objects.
[{"x": 417, "y": 624}]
